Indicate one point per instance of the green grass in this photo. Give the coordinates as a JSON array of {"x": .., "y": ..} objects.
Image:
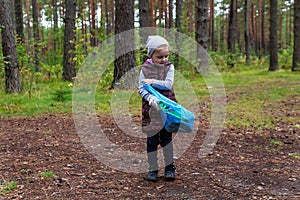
[
  {"x": 47, "y": 174},
  {"x": 43, "y": 98},
  {"x": 252, "y": 94},
  {"x": 257, "y": 92},
  {"x": 276, "y": 142},
  {"x": 7, "y": 187}
]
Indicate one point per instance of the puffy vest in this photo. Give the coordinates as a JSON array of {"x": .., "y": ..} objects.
[{"x": 151, "y": 120}]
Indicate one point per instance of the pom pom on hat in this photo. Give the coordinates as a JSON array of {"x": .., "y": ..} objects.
[{"x": 153, "y": 42}]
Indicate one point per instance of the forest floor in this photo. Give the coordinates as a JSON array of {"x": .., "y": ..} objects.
[{"x": 246, "y": 163}]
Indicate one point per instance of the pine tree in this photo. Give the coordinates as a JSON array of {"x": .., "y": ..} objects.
[
  {"x": 12, "y": 79},
  {"x": 69, "y": 38},
  {"x": 296, "y": 55}
]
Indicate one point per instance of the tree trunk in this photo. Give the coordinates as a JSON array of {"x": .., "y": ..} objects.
[
  {"x": 280, "y": 42},
  {"x": 273, "y": 37},
  {"x": 36, "y": 34},
  {"x": 12, "y": 79},
  {"x": 291, "y": 25},
  {"x": 165, "y": 8},
  {"x": 69, "y": 41},
  {"x": 112, "y": 15},
  {"x": 253, "y": 27},
  {"x": 93, "y": 38},
  {"x": 108, "y": 18},
  {"x": 102, "y": 21},
  {"x": 247, "y": 32},
  {"x": 28, "y": 51},
  {"x": 160, "y": 12},
  {"x": 212, "y": 25},
  {"x": 202, "y": 23},
  {"x": 152, "y": 10},
  {"x": 19, "y": 20},
  {"x": 124, "y": 47},
  {"x": 202, "y": 31},
  {"x": 190, "y": 16},
  {"x": 171, "y": 24},
  {"x": 262, "y": 27},
  {"x": 179, "y": 6},
  {"x": 144, "y": 19},
  {"x": 232, "y": 29},
  {"x": 258, "y": 30},
  {"x": 296, "y": 54},
  {"x": 223, "y": 28},
  {"x": 55, "y": 25},
  {"x": 287, "y": 35}
]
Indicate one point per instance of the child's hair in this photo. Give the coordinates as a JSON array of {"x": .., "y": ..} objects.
[{"x": 153, "y": 42}]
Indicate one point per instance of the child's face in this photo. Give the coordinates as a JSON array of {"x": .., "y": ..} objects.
[{"x": 161, "y": 55}]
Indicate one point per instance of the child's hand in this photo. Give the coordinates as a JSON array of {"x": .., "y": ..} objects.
[
  {"x": 147, "y": 81},
  {"x": 153, "y": 101}
]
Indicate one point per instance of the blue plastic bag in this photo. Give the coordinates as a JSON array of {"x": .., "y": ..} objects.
[{"x": 176, "y": 118}]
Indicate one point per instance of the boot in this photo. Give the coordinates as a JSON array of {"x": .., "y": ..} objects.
[
  {"x": 152, "y": 176},
  {"x": 170, "y": 172}
]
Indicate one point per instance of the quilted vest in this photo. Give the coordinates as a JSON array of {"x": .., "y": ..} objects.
[{"x": 151, "y": 120}]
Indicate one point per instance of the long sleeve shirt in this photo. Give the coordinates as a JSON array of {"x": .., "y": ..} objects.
[{"x": 166, "y": 84}]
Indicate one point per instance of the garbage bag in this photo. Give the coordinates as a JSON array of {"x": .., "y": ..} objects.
[{"x": 176, "y": 118}]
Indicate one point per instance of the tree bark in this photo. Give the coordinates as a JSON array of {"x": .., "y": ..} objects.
[
  {"x": 12, "y": 79},
  {"x": 160, "y": 12},
  {"x": 69, "y": 39},
  {"x": 108, "y": 18},
  {"x": 280, "y": 42},
  {"x": 223, "y": 27},
  {"x": 93, "y": 38},
  {"x": 247, "y": 32},
  {"x": 144, "y": 19},
  {"x": 179, "y": 6},
  {"x": 212, "y": 26},
  {"x": 102, "y": 21},
  {"x": 171, "y": 24},
  {"x": 232, "y": 32},
  {"x": 19, "y": 20},
  {"x": 166, "y": 16},
  {"x": 112, "y": 15},
  {"x": 202, "y": 31},
  {"x": 253, "y": 27},
  {"x": 263, "y": 42},
  {"x": 151, "y": 12},
  {"x": 259, "y": 30},
  {"x": 287, "y": 38},
  {"x": 291, "y": 25},
  {"x": 202, "y": 23},
  {"x": 273, "y": 37},
  {"x": 36, "y": 33},
  {"x": 81, "y": 16},
  {"x": 55, "y": 25},
  {"x": 296, "y": 54},
  {"x": 28, "y": 27},
  {"x": 124, "y": 47}
]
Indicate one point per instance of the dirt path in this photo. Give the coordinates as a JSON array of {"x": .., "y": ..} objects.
[{"x": 245, "y": 164}]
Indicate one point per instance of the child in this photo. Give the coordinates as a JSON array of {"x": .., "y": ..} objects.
[{"x": 159, "y": 73}]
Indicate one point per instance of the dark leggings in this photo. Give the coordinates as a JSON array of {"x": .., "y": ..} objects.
[{"x": 164, "y": 139}]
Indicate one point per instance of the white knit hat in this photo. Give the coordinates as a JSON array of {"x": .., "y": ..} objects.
[{"x": 153, "y": 42}]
